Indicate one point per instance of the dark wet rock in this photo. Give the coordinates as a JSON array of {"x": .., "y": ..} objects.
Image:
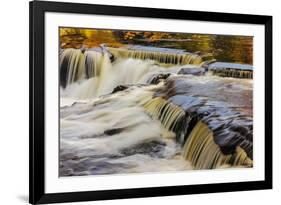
[
  {"x": 83, "y": 49},
  {"x": 125, "y": 87},
  {"x": 106, "y": 133},
  {"x": 120, "y": 88},
  {"x": 192, "y": 71},
  {"x": 157, "y": 78},
  {"x": 105, "y": 50},
  {"x": 113, "y": 131},
  {"x": 152, "y": 148}
]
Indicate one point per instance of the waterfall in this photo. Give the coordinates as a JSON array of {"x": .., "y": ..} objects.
[
  {"x": 170, "y": 115},
  {"x": 93, "y": 63},
  {"x": 92, "y": 74},
  {"x": 234, "y": 73},
  {"x": 201, "y": 150},
  {"x": 233, "y": 70},
  {"x": 72, "y": 66},
  {"x": 167, "y": 113},
  {"x": 161, "y": 57},
  {"x": 159, "y": 102},
  {"x": 76, "y": 65},
  {"x": 213, "y": 134},
  {"x": 199, "y": 141}
]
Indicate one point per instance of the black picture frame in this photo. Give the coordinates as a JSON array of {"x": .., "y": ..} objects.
[{"x": 37, "y": 9}]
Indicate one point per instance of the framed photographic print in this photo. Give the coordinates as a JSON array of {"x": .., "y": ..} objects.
[{"x": 140, "y": 102}]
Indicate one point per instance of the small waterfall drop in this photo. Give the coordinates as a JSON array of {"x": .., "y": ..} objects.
[
  {"x": 76, "y": 65},
  {"x": 170, "y": 115},
  {"x": 233, "y": 70},
  {"x": 161, "y": 57},
  {"x": 199, "y": 146},
  {"x": 212, "y": 134},
  {"x": 92, "y": 74},
  {"x": 233, "y": 73},
  {"x": 201, "y": 150},
  {"x": 72, "y": 66},
  {"x": 93, "y": 63}
]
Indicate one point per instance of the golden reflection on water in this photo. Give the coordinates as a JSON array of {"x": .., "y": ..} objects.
[{"x": 227, "y": 48}]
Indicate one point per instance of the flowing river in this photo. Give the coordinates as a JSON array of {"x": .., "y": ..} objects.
[{"x": 142, "y": 109}]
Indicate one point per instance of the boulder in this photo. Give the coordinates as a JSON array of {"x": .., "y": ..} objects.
[
  {"x": 120, "y": 88},
  {"x": 157, "y": 78}
]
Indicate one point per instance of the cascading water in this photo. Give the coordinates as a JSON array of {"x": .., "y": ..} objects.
[
  {"x": 136, "y": 113},
  {"x": 91, "y": 74},
  {"x": 161, "y": 56},
  {"x": 214, "y": 131},
  {"x": 201, "y": 150},
  {"x": 72, "y": 63}
]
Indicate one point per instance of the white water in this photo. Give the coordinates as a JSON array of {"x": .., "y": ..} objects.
[
  {"x": 87, "y": 149},
  {"x": 122, "y": 72},
  {"x": 86, "y": 144}
]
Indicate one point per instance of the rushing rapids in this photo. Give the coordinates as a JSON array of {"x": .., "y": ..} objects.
[
  {"x": 140, "y": 109},
  {"x": 168, "y": 56}
]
